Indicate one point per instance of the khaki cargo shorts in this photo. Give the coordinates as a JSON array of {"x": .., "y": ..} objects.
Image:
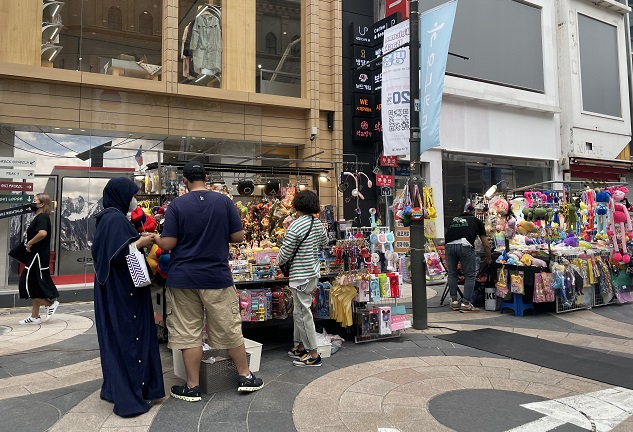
[{"x": 185, "y": 313}]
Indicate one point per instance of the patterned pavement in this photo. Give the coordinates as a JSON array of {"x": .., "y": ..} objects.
[{"x": 50, "y": 377}]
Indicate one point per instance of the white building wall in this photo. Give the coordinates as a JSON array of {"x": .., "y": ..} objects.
[{"x": 608, "y": 135}]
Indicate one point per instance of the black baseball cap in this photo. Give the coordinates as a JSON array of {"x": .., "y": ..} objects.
[{"x": 194, "y": 171}]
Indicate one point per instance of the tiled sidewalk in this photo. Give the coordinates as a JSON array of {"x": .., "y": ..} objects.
[{"x": 384, "y": 384}]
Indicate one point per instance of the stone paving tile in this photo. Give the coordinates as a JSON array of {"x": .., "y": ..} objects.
[
  {"x": 364, "y": 422},
  {"x": 401, "y": 376},
  {"x": 308, "y": 412},
  {"x": 372, "y": 385},
  {"x": 508, "y": 384},
  {"x": 546, "y": 391},
  {"x": 418, "y": 426},
  {"x": 270, "y": 421},
  {"x": 80, "y": 422},
  {"x": 535, "y": 377},
  {"x": 485, "y": 371},
  {"x": 276, "y": 397},
  {"x": 397, "y": 413},
  {"x": 359, "y": 403},
  {"x": 440, "y": 371},
  {"x": 474, "y": 382},
  {"x": 223, "y": 427},
  {"x": 224, "y": 412},
  {"x": 397, "y": 397},
  {"x": 507, "y": 363}
]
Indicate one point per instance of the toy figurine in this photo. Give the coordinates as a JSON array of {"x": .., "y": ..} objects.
[
  {"x": 601, "y": 213},
  {"x": 620, "y": 216}
]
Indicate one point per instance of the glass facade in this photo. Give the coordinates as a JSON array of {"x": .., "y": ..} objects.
[{"x": 119, "y": 38}]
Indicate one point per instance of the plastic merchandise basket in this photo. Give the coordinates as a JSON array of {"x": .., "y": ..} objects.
[{"x": 220, "y": 375}]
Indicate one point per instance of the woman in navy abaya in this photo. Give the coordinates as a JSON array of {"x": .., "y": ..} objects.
[{"x": 130, "y": 359}]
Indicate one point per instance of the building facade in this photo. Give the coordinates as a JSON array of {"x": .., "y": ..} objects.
[{"x": 84, "y": 85}]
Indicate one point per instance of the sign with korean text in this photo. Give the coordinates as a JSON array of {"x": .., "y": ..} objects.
[
  {"x": 379, "y": 27},
  {"x": 396, "y": 96},
  {"x": 362, "y": 33},
  {"x": 364, "y": 129},
  {"x": 436, "y": 27},
  {"x": 384, "y": 180},
  {"x": 363, "y": 81},
  {"x": 15, "y": 211},
  {"x": 362, "y": 56},
  {"x": 16, "y": 187},
  {"x": 386, "y": 191},
  {"x": 16, "y": 173},
  {"x": 377, "y": 84},
  {"x": 15, "y": 199},
  {"x": 402, "y": 236},
  {"x": 364, "y": 105},
  {"x": 389, "y": 161},
  {"x": 403, "y": 171},
  {"x": 17, "y": 162}
]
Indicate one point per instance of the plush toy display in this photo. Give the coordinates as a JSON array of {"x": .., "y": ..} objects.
[
  {"x": 602, "y": 213},
  {"x": 620, "y": 217}
]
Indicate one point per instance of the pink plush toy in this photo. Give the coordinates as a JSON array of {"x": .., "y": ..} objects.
[{"x": 620, "y": 216}]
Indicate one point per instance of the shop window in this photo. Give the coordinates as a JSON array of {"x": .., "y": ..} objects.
[
  {"x": 200, "y": 42},
  {"x": 112, "y": 40},
  {"x": 279, "y": 47},
  {"x": 115, "y": 18},
  {"x": 271, "y": 43},
  {"x": 146, "y": 23}
]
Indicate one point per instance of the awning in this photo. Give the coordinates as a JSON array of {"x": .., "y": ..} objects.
[{"x": 601, "y": 170}]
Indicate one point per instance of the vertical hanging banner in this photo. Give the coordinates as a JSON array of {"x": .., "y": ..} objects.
[
  {"x": 436, "y": 27},
  {"x": 396, "y": 92}
]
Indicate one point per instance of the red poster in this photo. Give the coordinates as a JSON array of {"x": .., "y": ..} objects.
[
  {"x": 384, "y": 180},
  {"x": 16, "y": 186},
  {"x": 401, "y": 6},
  {"x": 389, "y": 161}
]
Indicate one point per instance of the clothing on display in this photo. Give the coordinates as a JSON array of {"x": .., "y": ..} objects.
[{"x": 201, "y": 48}]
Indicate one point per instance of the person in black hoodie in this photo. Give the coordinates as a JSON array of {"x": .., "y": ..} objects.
[{"x": 124, "y": 316}]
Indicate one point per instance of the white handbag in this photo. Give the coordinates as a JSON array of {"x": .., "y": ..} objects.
[{"x": 137, "y": 267}]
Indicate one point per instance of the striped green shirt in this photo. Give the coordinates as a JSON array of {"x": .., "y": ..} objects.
[{"x": 305, "y": 264}]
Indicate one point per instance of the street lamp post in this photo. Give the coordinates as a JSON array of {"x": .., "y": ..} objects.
[{"x": 417, "y": 239}]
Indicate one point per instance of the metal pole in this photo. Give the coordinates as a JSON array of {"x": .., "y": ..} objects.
[{"x": 418, "y": 265}]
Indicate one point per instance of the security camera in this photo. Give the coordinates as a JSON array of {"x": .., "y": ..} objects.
[
  {"x": 312, "y": 137},
  {"x": 313, "y": 133}
]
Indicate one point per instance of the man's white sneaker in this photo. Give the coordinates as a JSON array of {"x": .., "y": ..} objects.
[
  {"x": 31, "y": 321},
  {"x": 50, "y": 310}
]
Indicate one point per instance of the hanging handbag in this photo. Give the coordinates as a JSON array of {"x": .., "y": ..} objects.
[
  {"x": 285, "y": 267},
  {"x": 137, "y": 267},
  {"x": 502, "y": 283},
  {"x": 20, "y": 254},
  {"x": 417, "y": 213},
  {"x": 516, "y": 282},
  {"x": 431, "y": 213}
]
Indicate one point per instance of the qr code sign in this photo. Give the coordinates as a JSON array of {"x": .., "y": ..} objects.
[{"x": 398, "y": 119}]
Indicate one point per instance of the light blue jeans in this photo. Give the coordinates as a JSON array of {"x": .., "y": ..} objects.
[
  {"x": 304, "y": 331},
  {"x": 466, "y": 255}
]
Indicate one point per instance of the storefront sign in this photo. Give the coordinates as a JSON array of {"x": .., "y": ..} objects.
[
  {"x": 386, "y": 191},
  {"x": 16, "y": 186},
  {"x": 389, "y": 161},
  {"x": 397, "y": 6},
  {"x": 377, "y": 51},
  {"x": 15, "y": 199},
  {"x": 362, "y": 56},
  {"x": 364, "y": 105},
  {"x": 363, "y": 129},
  {"x": 362, "y": 33},
  {"x": 402, "y": 236},
  {"x": 384, "y": 180},
  {"x": 17, "y": 162},
  {"x": 379, "y": 27},
  {"x": 16, "y": 173},
  {"x": 402, "y": 171},
  {"x": 378, "y": 80},
  {"x": 363, "y": 81},
  {"x": 15, "y": 211}
]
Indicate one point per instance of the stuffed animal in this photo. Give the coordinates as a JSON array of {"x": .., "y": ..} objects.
[
  {"x": 537, "y": 262},
  {"x": 526, "y": 259},
  {"x": 152, "y": 258},
  {"x": 571, "y": 240},
  {"x": 511, "y": 226},
  {"x": 164, "y": 259},
  {"x": 620, "y": 216},
  {"x": 525, "y": 227},
  {"x": 601, "y": 213}
]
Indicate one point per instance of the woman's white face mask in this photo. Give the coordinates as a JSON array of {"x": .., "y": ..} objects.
[{"x": 133, "y": 205}]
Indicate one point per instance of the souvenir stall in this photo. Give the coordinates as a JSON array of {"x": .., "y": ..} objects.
[
  {"x": 359, "y": 285},
  {"x": 562, "y": 242}
]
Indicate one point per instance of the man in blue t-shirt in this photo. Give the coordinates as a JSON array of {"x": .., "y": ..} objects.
[{"x": 198, "y": 229}]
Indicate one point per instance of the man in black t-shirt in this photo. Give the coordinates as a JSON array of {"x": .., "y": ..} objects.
[{"x": 460, "y": 248}]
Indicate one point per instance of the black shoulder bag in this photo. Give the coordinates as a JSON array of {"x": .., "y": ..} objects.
[{"x": 285, "y": 267}]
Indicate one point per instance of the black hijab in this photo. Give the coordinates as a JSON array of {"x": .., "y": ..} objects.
[{"x": 114, "y": 232}]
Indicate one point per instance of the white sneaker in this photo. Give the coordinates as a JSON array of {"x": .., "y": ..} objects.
[
  {"x": 50, "y": 310},
  {"x": 454, "y": 305},
  {"x": 31, "y": 321}
]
